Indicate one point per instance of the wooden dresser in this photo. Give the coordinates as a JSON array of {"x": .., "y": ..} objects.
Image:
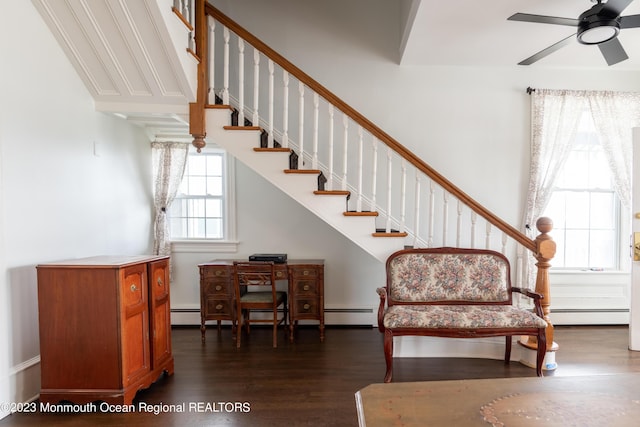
[
  {"x": 105, "y": 327},
  {"x": 305, "y": 292}
]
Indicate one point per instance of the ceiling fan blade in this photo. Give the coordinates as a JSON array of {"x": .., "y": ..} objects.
[
  {"x": 613, "y": 51},
  {"x": 615, "y": 7},
  {"x": 545, "y": 52},
  {"x": 630, "y": 21},
  {"x": 541, "y": 19}
]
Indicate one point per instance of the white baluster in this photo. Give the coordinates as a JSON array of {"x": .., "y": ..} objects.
[
  {"x": 432, "y": 212},
  {"x": 316, "y": 130},
  {"x": 474, "y": 218},
  {"x": 389, "y": 182},
  {"x": 403, "y": 195},
  {"x": 459, "y": 224},
  {"x": 211, "y": 93},
  {"x": 256, "y": 86},
  {"x": 240, "y": 82},
  {"x": 416, "y": 215},
  {"x": 301, "y": 123},
  {"x": 487, "y": 242},
  {"x": 271, "y": 100},
  {"x": 445, "y": 218},
  {"x": 330, "y": 177},
  {"x": 285, "y": 103},
  {"x": 519, "y": 264},
  {"x": 225, "y": 82},
  {"x": 360, "y": 167},
  {"x": 374, "y": 173},
  {"x": 504, "y": 243},
  {"x": 345, "y": 157}
]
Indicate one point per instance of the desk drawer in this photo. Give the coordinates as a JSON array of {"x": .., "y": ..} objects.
[
  {"x": 302, "y": 271},
  {"x": 304, "y": 288},
  {"x": 218, "y": 307},
  {"x": 220, "y": 271},
  {"x": 305, "y": 308},
  {"x": 217, "y": 287}
]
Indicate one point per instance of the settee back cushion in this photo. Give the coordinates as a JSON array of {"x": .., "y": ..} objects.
[{"x": 478, "y": 277}]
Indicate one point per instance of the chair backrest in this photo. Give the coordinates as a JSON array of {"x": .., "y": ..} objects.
[
  {"x": 254, "y": 273},
  {"x": 448, "y": 276}
]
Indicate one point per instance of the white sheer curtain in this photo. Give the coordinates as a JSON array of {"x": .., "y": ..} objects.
[
  {"x": 169, "y": 161},
  {"x": 554, "y": 119},
  {"x": 614, "y": 115}
]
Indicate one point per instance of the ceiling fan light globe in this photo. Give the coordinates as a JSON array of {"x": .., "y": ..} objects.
[{"x": 598, "y": 32}]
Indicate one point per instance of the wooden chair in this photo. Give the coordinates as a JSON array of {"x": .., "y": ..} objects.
[{"x": 255, "y": 289}]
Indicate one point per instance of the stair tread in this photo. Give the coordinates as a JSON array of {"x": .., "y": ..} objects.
[
  {"x": 219, "y": 106},
  {"x": 332, "y": 192},
  {"x": 242, "y": 128},
  {"x": 393, "y": 234},
  {"x": 272, "y": 149},
  {"x": 302, "y": 171},
  {"x": 361, "y": 213}
]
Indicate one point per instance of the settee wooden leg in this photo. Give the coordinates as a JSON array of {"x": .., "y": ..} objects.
[
  {"x": 388, "y": 354},
  {"x": 542, "y": 351},
  {"x": 507, "y": 349}
]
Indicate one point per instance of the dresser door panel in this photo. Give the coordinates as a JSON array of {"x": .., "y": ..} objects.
[
  {"x": 135, "y": 339},
  {"x": 161, "y": 312}
]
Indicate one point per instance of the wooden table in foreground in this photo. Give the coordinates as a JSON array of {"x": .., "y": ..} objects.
[{"x": 598, "y": 400}]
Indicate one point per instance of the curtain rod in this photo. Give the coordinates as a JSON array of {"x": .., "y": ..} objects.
[{"x": 530, "y": 90}]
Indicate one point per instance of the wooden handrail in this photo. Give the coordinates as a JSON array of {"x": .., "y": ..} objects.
[{"x": 372, "y": 128}]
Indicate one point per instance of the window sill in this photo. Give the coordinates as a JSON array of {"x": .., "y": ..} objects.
[
  {"x": 588, "y": 272},
  {"x": 204, "y": 246}
]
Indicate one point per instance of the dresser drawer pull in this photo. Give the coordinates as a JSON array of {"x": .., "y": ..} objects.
[
  {"x": 306, "y": 287},
  {"x": 218, "y": 288},
  {"x": 134, "y": 288},
  {"x": 305, "y": 273},
  {"x": 219, "y": 307},
  {"x": 159, "y": 281},
  {"x": 279, "y": 274},
  {"x": 306, "y": 306},
  {"x": 218, "y": 272}
]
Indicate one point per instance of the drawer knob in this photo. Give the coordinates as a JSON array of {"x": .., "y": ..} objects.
[
  {"x": 305, "y": 273},
  {"x": 134, "y": 288},
  {"x": 219, "y": 307},
  {"x": 305, "y": 287},
  {"x": 159, "y": 281},
  {"x": 218, "y": 273},
  {"x": 306, "y": 306},
  {"x": 279, "y": 274},
  {"x": 218, "y": 288}
]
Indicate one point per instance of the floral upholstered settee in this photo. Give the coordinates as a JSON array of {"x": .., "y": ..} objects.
[{"x": 459, "y": 293}]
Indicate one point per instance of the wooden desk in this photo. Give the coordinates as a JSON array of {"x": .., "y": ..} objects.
[{"x": 305, "y": 292}]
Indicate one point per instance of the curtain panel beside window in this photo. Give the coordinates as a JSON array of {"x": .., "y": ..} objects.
[{"x": 169, "y": 161}]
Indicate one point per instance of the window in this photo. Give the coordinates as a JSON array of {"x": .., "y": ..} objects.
[
  {"x": 201, "y": 209},
  {"x": 584, "y": 207}
]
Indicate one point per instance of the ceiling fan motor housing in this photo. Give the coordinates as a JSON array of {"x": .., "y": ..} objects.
[{"x": 597, "y": 26}]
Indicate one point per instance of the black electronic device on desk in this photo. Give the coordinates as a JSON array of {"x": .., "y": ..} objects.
[{"x": 276, "y": 258}]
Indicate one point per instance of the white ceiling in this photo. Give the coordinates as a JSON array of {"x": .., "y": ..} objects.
[{"x": 477, "y": 33}]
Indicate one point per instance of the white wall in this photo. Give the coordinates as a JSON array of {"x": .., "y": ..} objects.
[
  {"x": 352, "y": 48},
  {"x": 60, "y": 197}
]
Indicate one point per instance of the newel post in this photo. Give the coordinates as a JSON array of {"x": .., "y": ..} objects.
[
  {"x": 545, "y": 251},
  {"x": 197, "y": 127}
]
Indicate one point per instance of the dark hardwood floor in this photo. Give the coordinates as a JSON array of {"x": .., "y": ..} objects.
[{"x": 309, "y": 383}]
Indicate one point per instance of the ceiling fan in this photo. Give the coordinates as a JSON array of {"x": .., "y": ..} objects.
[{"x": 599, "y": 25}]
